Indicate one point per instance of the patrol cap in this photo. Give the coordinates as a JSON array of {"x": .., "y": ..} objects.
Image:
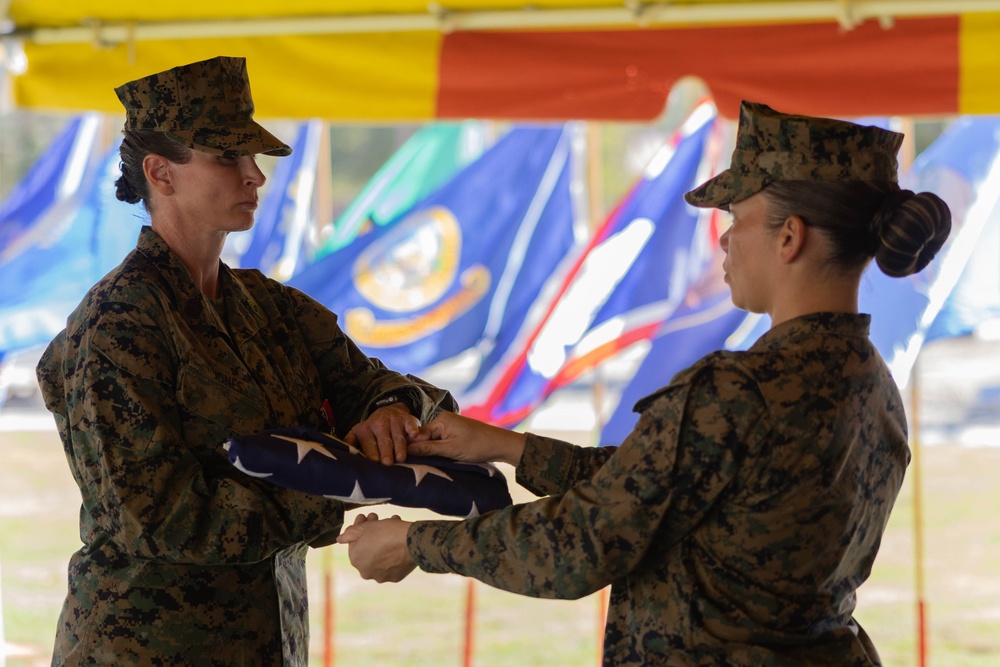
[
  {"x": 772, "y": 146},
  {"x": 205, "y": 105}
]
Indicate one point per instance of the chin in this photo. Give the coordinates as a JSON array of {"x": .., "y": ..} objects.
[{"x": 245, "y": 226}]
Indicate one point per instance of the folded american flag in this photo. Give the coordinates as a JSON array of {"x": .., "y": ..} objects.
[{"x": 313, "y": 462}]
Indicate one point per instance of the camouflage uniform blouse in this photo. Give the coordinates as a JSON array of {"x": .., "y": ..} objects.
[
  {"x": 185, "y": 559},
  {"x": 736, "y": 521}
]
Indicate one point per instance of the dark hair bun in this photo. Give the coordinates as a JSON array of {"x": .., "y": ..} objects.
[
  {"x": 124, "y": 191},
  {"x": 909, "y": 231}
]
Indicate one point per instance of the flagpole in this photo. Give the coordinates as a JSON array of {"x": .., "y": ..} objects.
[
  {"x": 595, "y": 176},
  {"x": 907, "y": 154},
  {"x": 595, "y": 202},
  {"x": 918, "y": 517},
  {"x": 323, "y": 199},
  {"x": 468, "y": 649},
  {"x": 329, "y": 656},
  {"x": 597, "y": 388}
]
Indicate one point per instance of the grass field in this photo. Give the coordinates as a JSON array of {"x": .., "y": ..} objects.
[{"x": 422, "y": 620}]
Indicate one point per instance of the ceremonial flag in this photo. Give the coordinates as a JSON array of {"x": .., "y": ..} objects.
[
  {"x": 425, "y": 162},
  {"x": 316, "y": 463},
  {"x": 48, "y": 277},
  {"x": 50, "y": 189},
  {"x": 285, "y": 214},
  {"x": 962, "y": 167},
  {"x": 633, "y": 276},
  {"x": 442, "y": 278}
]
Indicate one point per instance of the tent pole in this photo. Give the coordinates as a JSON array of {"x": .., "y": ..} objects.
[{"x": 918, "y": 518}]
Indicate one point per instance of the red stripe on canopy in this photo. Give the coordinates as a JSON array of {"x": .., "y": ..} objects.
[{"x": 813, "y": 68}]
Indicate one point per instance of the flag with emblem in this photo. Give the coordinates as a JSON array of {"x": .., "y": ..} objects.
[
  {"x": 434, "y": 154},
  {"x": 634, "y": 275},
  {"x": 316, "y": 463},
  {"x": 459, "y": 266}
]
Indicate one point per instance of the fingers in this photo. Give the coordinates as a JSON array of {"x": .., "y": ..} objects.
[
  {"x": 377, "y": 548},
  {"x": 398, "y": 439},
  {"x": 354, "y": 532},
  {"x": 383, "y": 436},
  {"x": 430, "y": 448},
  {"x": 350, "y": 534}
]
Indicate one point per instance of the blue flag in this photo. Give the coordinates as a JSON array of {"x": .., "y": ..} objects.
[
  {"x": 633, "y": 276},
  {"x": 963, "y": 168},
  {"x": 428, "y": 159},
  {"x": 285, "y": 214},
  {"x": 954, "y": 165},
  {"x": 44, "y": 282},
  {"x": 439, "y": 280},
  {"x": 50, "y": 188}
]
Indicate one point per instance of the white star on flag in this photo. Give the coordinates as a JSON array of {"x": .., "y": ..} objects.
[
  {"x": 304, "y": 447},
  {"x": 420, "y": 471},
  {"x": 358, "y": 496}
]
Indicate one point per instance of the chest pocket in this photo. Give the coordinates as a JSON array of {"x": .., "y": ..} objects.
[{"x": 220, "y": 397}]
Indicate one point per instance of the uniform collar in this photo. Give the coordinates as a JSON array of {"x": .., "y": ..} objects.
[
  {"x": 813, "y": 324},
  {"x": 244, "y": 314}
]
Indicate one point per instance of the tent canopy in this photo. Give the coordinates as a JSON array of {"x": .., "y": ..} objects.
[{"x": 407, "y": 60}]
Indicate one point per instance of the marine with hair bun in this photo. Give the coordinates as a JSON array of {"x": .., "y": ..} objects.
[{"x": 738, "y": 519}]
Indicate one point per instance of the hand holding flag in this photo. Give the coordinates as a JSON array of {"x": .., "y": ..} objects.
[
  {"x": 469, "y": 440},
  {"x": 383, "y": 436}
]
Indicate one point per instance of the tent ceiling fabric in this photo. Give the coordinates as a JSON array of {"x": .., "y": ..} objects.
[{"x": 409, "y": 60}]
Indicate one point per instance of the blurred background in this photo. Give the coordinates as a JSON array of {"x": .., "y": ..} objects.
[{"x": 492, "y": 200}]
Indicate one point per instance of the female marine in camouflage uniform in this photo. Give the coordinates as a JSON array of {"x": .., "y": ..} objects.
[
  {"x": 738, "y": 519},
  {"x": 187, "y": 561}
]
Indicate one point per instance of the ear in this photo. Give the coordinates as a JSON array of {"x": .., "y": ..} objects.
[
  {"x": 791, "y": 238},
  {"x": 158, "y": 173}
]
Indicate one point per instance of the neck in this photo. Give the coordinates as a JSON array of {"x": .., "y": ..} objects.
[
  {"x": 199, "y": 253},
  {"x": 803, "y": 296}
]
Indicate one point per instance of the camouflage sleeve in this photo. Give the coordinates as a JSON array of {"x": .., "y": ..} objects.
[
  {"x": 549, "y": 466},
  {"x": 684, "y": 452},
  {"x": 146, "y": 489},
  {"x": 354, "y": 382}
]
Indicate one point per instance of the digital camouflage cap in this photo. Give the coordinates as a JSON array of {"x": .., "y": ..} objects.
[
  {"x": 772, "y": 146},
  {"x": 205, "y": 105}
]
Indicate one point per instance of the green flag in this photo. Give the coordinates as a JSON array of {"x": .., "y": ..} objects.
[{"x": 426, "y": 161}]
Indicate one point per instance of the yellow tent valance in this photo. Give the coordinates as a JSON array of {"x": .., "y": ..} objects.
[{"x": 397, "y": 60}]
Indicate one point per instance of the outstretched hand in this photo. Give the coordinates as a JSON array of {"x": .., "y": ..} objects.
[
  {"x": 468, "y": 440},
  {"x": 383, "y": 436},
  {"x": 377, "y": 548}
]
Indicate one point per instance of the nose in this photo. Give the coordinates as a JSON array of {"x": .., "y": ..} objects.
[
  {"x": 252, "y": 173},
  {"x": 724, "y": 241}
]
